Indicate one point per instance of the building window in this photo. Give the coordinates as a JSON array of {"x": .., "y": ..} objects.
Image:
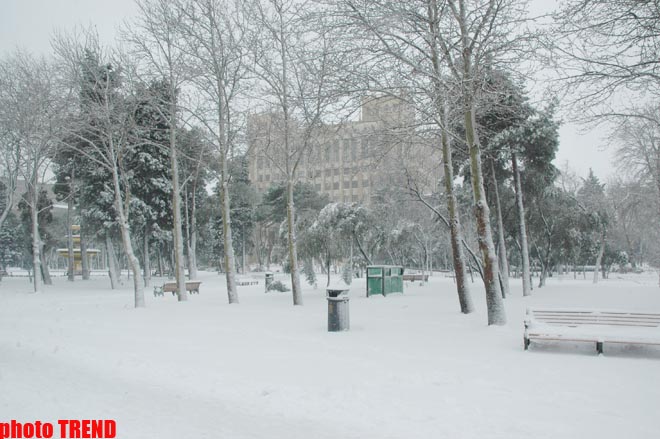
[
  {"x": 347, "y": 184},
  {"x": 328, "y": 147},
  {"x": 365, "y": 183},
  {"x": 335, "y": 185},
  {"x": 354, "y": 183},
  {"x": 354, "y": 147},
  {"x": 260, "y": 178},
  {"x": 328, "y": 186},
  {"x": 347, "y": 150},
  {"x": 365, "y": 148},
  {"x": 335, "y": 150},
  {"x": 328, "y": 172},
  {"x": 336, "y": 171},
  {"x": 260, "y": 162}
]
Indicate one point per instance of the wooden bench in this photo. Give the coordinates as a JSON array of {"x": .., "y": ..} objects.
[
  {"x": 414, "y": 277},
  {"x": 242, "y": 282},
  {"x": 171, "y": 287},
  {"x": 595, "y": 326}
]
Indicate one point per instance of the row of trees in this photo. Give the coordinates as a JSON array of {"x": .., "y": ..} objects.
[{"x": 134, "y": 133}]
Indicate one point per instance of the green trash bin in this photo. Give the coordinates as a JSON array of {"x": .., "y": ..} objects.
[{"x": 384, "y": 279}]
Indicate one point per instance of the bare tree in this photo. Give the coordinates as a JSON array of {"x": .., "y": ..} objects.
[
  {"x": 479, "y": 35},
  {"x": 10, "y": 144},
  {"x": 156, "y": 39},
  {"x": 405, "y": 36},
  {"x": 31, "y": 119},
  {"x": 501, "y": 245},
  {"x": 522, "y": 226},
  {"x": 102, "y": 128},
  {"x": 216, "y": 40},
  {"x": 606, "y": 49},
  {"x": 638, "y": 140},
  {"x": 296, "y": 65},
  {"x": 463, "y": 39}
]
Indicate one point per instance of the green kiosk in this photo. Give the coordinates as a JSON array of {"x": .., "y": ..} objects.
[{"x": 384, "y": 279}]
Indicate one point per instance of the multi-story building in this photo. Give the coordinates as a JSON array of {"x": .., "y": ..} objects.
[{"x": 348, "y": 161}]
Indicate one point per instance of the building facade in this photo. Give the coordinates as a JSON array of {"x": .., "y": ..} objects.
[{"x": 348, "y": 161}]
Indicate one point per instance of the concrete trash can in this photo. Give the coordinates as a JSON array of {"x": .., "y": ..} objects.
[
  {"x": 338, "y": 318},
  {"x": 269, "y": 277}
]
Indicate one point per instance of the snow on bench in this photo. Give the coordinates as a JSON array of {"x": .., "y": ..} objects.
[
  {"x": 246, "y": 282},
  {"x": 596, "y": 326},
  {"x": 171, "y": 287},
  {"x": 415, "y": 277}
]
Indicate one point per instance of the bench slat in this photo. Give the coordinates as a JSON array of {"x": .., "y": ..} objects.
[{"x": 624, "y": 326}]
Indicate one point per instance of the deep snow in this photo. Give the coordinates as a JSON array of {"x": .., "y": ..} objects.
[{"x": 410, "y": 367}]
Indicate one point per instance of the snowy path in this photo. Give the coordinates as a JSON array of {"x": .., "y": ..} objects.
[
  {"x": 143, "y": 410},
  {"x": 411, "y": 367}
]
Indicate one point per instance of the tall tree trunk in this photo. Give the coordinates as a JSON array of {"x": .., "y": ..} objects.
[
  {"x": 45, "y": 271},
  {"x": 112, "y": 262},
  {"x": 36, "y": 244},
  {"x": 350, "y": 263},
  {"x": 230, "y": 258},
  {"x": 543, "y": 275},
  {"x": 146, "y": 254},
  {"x": 501, "y": 245},
  {"x": 243, "y": 251},
  {"x": 186, "y": 208},
  {"x": 179, "y": 269},
  {"x": 293, "y": 247},
  {"x": 456, "y": 234},
  {"x": 192, "y": 268},
  {"x": 601, "y": 251},
  {"x": 225, "y": 208},
  {"x": 327, "y": 263},
  {"x": 495, "y": 305},
  {"x": 524, "y": 248},
  {"x": 161, "y": 265},
  {"x": 69, "y": 240},
  {"x": 133, "y": 263},
  {"x": 84, "y": 262}
]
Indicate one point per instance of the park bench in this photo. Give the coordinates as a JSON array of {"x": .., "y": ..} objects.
[
  {"x": 171, "y": 287},
  {"x": 244, "y": 282},
  {"x": 595, "y": 326},
  {"x": 415, "y": 277}
]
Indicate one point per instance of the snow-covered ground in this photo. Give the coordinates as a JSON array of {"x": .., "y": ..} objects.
[{"x": 410, "y": 367}]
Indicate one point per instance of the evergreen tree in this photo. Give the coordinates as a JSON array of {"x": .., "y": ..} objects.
[
  {"x": 149, "y": 162},
  {"x": 12, "y": 239}
]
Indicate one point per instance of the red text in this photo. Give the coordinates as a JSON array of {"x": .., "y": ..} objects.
[
  {"x": 27, "y": 430},
  {"x": 87, "y": 428}
]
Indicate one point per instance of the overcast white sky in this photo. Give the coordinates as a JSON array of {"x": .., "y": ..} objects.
[{"x": 30, "y": 23}]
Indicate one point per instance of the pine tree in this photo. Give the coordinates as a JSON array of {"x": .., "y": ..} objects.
[
  {"x": 149, "y": 162},
  {"x": 12, "y": 239}
]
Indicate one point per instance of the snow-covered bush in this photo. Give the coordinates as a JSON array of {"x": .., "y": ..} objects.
[{"x": 278, "y": 286}]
